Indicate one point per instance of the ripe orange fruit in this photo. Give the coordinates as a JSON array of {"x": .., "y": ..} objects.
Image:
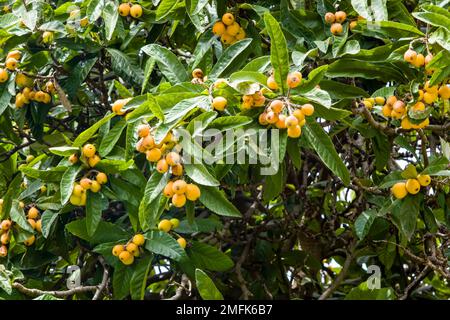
[
  {"x": 291, "y": 122},
  {"x": 126, "y": 257},
  {"x": 86, "y": 183},
  {"x": 11, "y": 64},
  {"x": 165, "y": 225},
  {"x": 95, "y": 186},
  {"x": 117, "y": 249},
  {"x": 39, "y": 225},
  {"x": 153, "y": 155},
  {"x": 5, "y": 225},
  {"x": 182, "y": 242},
  {"x": 298, "y": 114},
  {"x": 179, "y": 187},
  {"x": 177, "y": 170},
  {"x": 33, "y": 213},
  {"x": 162, "y": 166},
  {"x": 271, "y": 83},
  {"x": 3, "y": 75},
  {"x": 424, "y": 180},
  {"x": 294, "y": 79},
  {"x": 124, "y": 9},
  {"x": 340, "y": 16},
  {"x": 192, "y": 192},
  {"x": 277, "y": 106},
  {"x": 29, "y": 241},
  {"x": 227, "y": 19},
  {"x": 412, "y": 186},
  {"x": 138, "y": 239},
  {"x": 227, "y": 39},
  {"x": 168, "y": 192},
  {"x": 178, "y": 200},
  {"x": 307, "y": 109},
  {"x": 281, "y": 123},
  {"x": 143, "y": 130},
  {"x": 173, "y": 158},
  {"x": 330, "y": 17},
  {"x": 3, "y": 251},
  {"x": 294, "y": 132},
  {"x": 218, "y": 29},
  {"x": 399, "y": 190},
  {"x": 175, "y": 223},
  {"x": 101, "y": 178},
  {"x": 219, "y": 103},
  {"x": 136, "y": 11},
  {"x": 233, "y": 29},
  {"x": 93, "y": 161},
  {"x": 89, "y": 150},
  {"x": 336, "y": 28},
  {"x": 410, "y": 55}
]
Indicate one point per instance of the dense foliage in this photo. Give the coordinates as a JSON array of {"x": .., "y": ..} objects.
[{"x": 96, "y": 182}]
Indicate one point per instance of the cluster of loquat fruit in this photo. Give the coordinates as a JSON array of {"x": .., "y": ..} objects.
[
  {"x": 127, "y": 252},
  {"x": 5, "y": 227},
  {"x": 25, "y": 83},
  {"x": 166, "y": 225},
  {"x": 35, "y": 222},
  {"x": 128, "y": 9},
  {"x": 285, "y": 116},
  {"x": 159, "y": 152},
  {"x": 79, "y": 192},
  {"x": 417, "y": 59},
  {"x": 88, "y": 155},
  {"x": 228, "y": 29},
  {"x": 412, "y": 186},
  {"x": 180, "y": 191},
  {"x": 118, "y": 105},
  {"x": 335, "y": 20},
  {"x": 282, "y": 114}
]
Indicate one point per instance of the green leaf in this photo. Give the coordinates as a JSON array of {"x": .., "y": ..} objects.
[
  {"x": 260, "y": 64},
  {"x": 110, "y": 139},
  {"x": 208, "y": 257},
  {"x": 228, "y": 58},
  {"x": 67, "y": 182},
  {"x": 178, "y": 111},
  {"x": 48, "y": 218},
  {"x": 155, "y": 185},
  {"x": 216, "y": 201},
  {"x": 364, "y": 222},
  {"x": 54, "y": 174},
  {"x": 242, "y": 76},
  {"x": 165, "y": 8},
  {"x": 94, "y": 10},
  {"x": 106, "y": 231},
  {"x": 125, "y": 67},
  {"x": 168, "y": 63},
  {"x": 122, "y": 280},
  {"x": 360, "y": 69},
  {"x": 410, "y": 172},
  {"x": 434, "y": 18},
  {"x": 162, "y": 243},
  {"x": 229, "y": 122},
  {"x": 95, "y": 204},
  {"x": 206, "y": 287},
  {"x": 406, "y": 215},
  {"x": 279, "y": 56},
  {"x": 138, "y": 281},
  {"x": 18, "y": 216},
  {"x": 64, "y": 151},
  {"x": 110, "y": 16},
  {"x": 5, "y": 283},
  {"x": 314, "y": 77},
  {"x": 324, "y": 147},
  {"x": 88, "y": 133},
  {"x": 199, "y": 174},
  {"x": 274, "y": 185}
]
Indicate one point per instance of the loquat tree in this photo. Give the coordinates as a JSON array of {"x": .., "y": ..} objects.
[{"x": 179, "y": 149}]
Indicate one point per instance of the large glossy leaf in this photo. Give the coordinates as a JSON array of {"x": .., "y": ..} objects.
[
  {"x": 67, "y": 182},
  {"x": 95, "y": 204},
  {"x": 216, "y": 201},
  {"x": 209, "y": 257},
  {"x": 168, "y": 63},
  {"x": 125, "y": 67},
  {"x": 110, "y": 140},
  {"x": 88, "y": 133},
  {"x": 199, "y": 174},
  {"x": 279, "y": 56},
  {"x": 324, "y": 147},
  {"x": 162, "y": 243},
  {"x": 206, "y": 287},
  {"x": 228, "y": 58}
]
